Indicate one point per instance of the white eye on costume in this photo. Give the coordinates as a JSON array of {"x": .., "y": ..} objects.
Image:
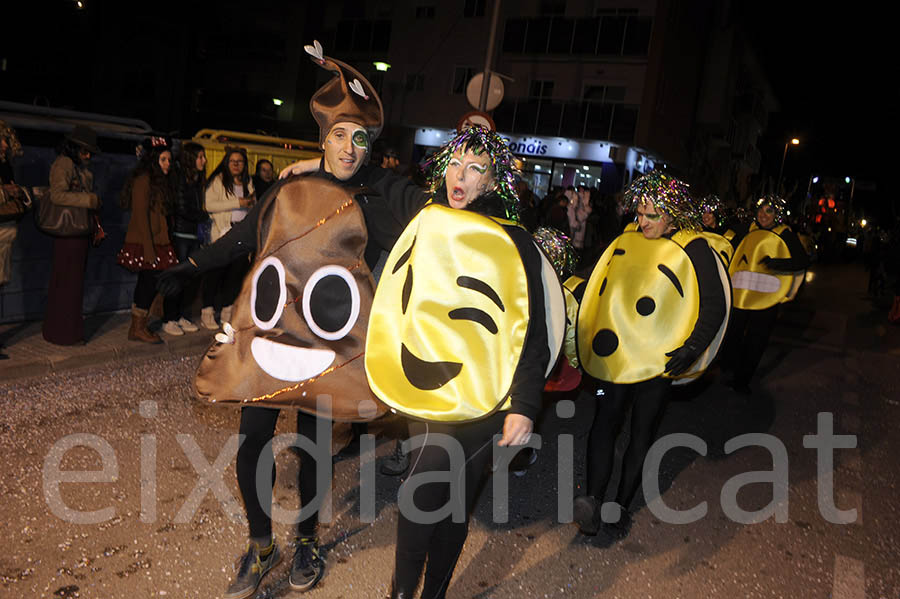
[
  {"x": 331, "y": 302},
  {"x": 268, "y": 294}
]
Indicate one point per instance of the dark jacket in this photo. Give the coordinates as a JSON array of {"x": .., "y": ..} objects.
[{"x": 188, "y": 205}]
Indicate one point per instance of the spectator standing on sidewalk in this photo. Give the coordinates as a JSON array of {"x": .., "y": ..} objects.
[
  {"x": 229, "y": 195},
  {"x": 71, "y": 184},
  {"x": 13, "y": 202},
  {"x": 264, "y": 177},
  {"x": 190, "y": 181},
  {"x": 148, "y": 250}
]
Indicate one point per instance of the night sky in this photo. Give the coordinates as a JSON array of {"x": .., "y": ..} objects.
[{"x": 828, "y": 67}]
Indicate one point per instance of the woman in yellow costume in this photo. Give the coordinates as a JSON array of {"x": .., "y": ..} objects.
[
  {"x": 453, "y": 346},
  {"x": 651, "y": 310},
  {"x": 766, "y": 256}
]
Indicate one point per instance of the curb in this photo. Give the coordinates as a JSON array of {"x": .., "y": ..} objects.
[{"x": 194, "y": 344}]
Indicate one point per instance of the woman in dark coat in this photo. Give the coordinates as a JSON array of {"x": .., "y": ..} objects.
[{"x": 71, "y": 184}]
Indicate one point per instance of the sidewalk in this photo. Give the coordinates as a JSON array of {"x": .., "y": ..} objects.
[{"x": 107, "y": 341}]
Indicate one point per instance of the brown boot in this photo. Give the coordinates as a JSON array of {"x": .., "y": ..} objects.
[{"x": 139, "y": 330}]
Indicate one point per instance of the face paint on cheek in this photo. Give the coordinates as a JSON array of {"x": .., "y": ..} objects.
[{"x": 361, "y": 139}]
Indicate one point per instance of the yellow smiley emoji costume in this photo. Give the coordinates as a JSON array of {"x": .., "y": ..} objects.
[
  {"x": 642, "y": 301},
  {"x": 450, "y": 318},
  {"x": 720, "y": 245},
  {"x": 756, "y": 287}
]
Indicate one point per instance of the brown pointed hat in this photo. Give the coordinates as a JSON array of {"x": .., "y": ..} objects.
[{"x": 348, "y": 97}]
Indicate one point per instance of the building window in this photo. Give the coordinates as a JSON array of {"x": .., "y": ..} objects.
[
  {"x": 425, "y": 12},
  {"x": 461, "y": 77},
  {"x": 364, "y": 35},
  {"x": 415, "y": 82},
  {"x": 603, "y": 94},
  {"x": 541, "y": 88},
  {"x": 553, "y": 7},
  {"x": 614, "y": 32},
  {"x": 474, "y": 8}
]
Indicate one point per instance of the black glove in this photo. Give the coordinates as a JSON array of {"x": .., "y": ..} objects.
[
  {"x": 171, "y": 280},
  {"x": 783, "y": 264},
  {"x": 681, "y": 359}
]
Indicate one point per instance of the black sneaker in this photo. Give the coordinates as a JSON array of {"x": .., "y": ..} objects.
[
  {"x": 397, "y": 463},
  {"x": 308, "y": 566},
  {"x": 586, "y": 514},
  {"x": 523, "y": 461},
  {"x": 249, "y": 570}
]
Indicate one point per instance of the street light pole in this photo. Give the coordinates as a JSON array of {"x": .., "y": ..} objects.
[
  {"x": 489, "y": 58},
  {"x": 793, "y": 141}
]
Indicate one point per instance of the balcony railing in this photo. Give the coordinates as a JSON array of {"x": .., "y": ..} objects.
[{"x": 576, "y": 120}]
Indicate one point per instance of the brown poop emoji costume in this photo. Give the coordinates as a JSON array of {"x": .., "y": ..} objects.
[{"x": 298, "y": 336}]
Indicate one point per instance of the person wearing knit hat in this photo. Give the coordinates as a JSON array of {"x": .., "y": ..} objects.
[
  {"x": 764, "y": 271},
  {"x": 654, "y": 310},
  {"x": 348, "y": 111}
]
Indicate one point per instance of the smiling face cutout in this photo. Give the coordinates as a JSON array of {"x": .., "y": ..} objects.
[
  {"x": 755, "y": 286},
  {"x": 641, "y": 301},
  {"x": 449, "y": 320},
  {"x": 299, "y": 323}
]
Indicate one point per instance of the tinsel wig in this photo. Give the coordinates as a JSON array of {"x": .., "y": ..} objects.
[
  {"x": 502, "y": 163},
  {"x": 558, "y": 248},
  {"x": 775, "y": 201},
  {"x": 668, "y": 195}
]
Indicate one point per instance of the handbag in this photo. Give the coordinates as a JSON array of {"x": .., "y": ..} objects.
[{"x": 13, "y": 207}]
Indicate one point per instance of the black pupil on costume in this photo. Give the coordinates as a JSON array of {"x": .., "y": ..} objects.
[
  {"x": 645, "y": 306},
  {"x": 268, "y": 290},
  {"x": 330, "y": 303},
  {"x": 605, "y": 343},
  {"x": 602, "y": 287}
]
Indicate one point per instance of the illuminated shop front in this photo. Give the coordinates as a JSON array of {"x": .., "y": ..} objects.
[{"x": 549, "y": 162}]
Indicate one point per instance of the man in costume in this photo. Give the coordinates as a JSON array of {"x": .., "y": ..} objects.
[
  {"x": 654, "y": 309},
  {"x": 350, "y": 116},
  {"x": 766, "y": 271}
]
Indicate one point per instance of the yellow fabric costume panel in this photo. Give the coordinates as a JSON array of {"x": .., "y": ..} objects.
[
  {"x": 720, "y": 245},
  {"x": 642, "y": 300},
  {"x": 449, "y": 318},
  {"x": 755, "y": 286},
  {"x": 569, "y": 348}
]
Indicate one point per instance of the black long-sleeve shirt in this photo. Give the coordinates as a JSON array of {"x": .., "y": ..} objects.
[
  {"x": 388, "y": 203},
  {"x": 712, "y": 295}
]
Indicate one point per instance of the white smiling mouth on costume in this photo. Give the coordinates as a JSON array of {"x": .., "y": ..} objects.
[
  {"x": 755, "y": 281},
  {"x": 289, "y": 363}
]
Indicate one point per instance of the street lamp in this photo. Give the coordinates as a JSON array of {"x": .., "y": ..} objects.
[{"x": 794, "y": 141}]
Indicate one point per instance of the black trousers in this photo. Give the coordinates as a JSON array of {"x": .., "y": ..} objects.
[
  {"x": 648, "y": 402},
  {"x": 221, "y": 286},
  {"x": 748, "y": 336},
  {"x": 440, "y": 543},
  {"x": 258, "y": 426},
  {"x": 178, "y": 306}
]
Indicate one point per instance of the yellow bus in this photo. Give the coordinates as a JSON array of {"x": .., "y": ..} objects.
[{"x": 281, "y": 151}]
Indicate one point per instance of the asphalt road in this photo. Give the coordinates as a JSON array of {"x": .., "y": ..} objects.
[{"x": 150, "y": 528}]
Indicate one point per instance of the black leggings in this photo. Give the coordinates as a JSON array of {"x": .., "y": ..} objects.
[
  {"x": 748, "y": 336},
  {"x": 258, "y": 426},
  {"x": 145, "y": 288},
  {"x": 648, "y": 401},
  {"x": 440, "y": 543}
]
